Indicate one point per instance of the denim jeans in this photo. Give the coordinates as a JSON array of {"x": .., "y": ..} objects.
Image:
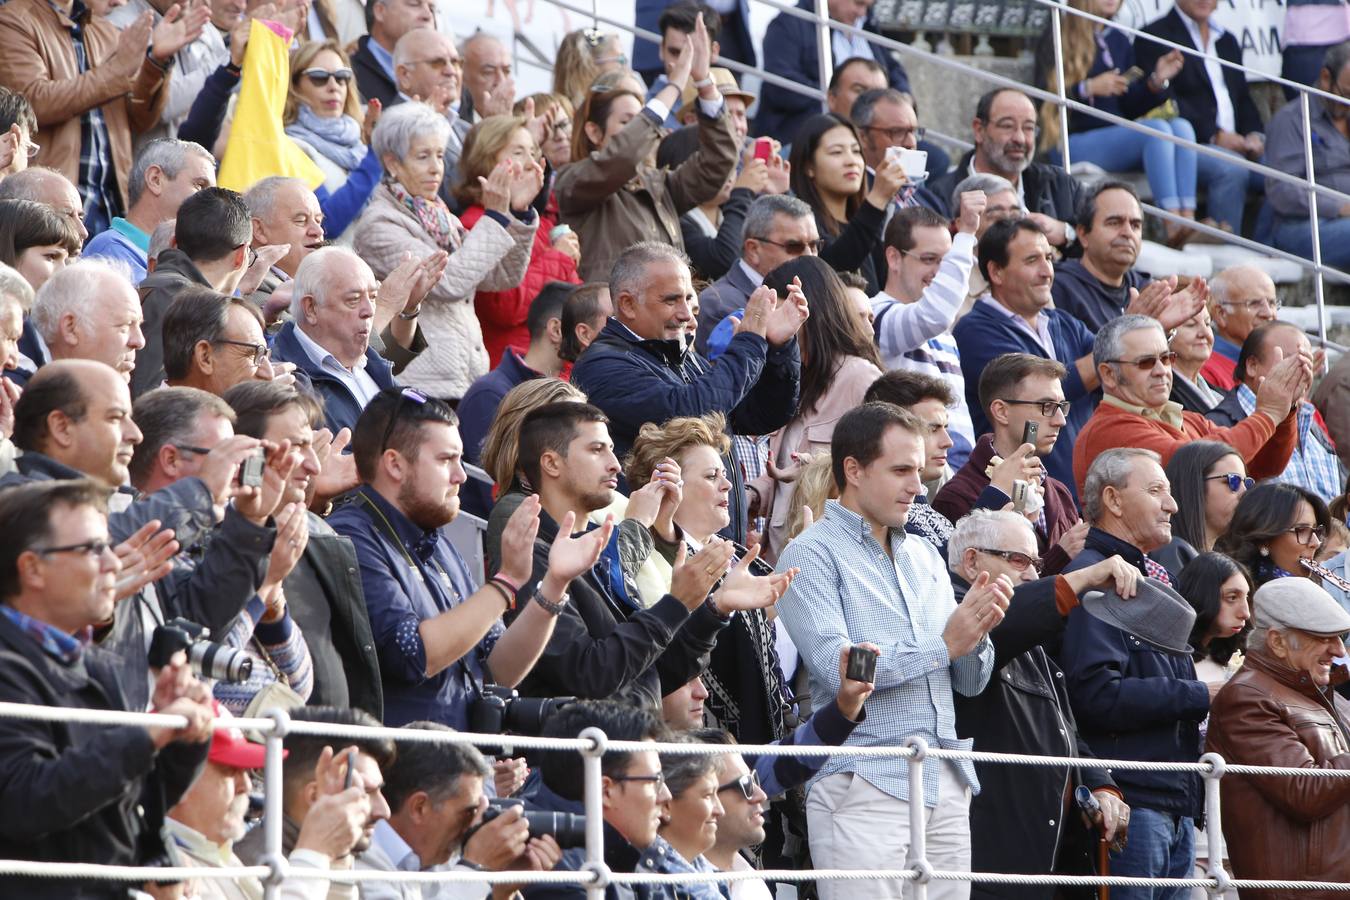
[
  {"x": 1226, "y": 187},
  {"x": 1160, "y": 845},
  {"x": 1170, "y": 168},
  {"x": 1295, "y": 236}
]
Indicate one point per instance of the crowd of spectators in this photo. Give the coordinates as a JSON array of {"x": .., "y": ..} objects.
[{"x": 652, "y": 405}]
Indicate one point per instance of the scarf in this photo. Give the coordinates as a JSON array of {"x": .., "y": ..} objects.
[
  {"x": 433, "y": 214},
  {"x": 338, "y": 140}
]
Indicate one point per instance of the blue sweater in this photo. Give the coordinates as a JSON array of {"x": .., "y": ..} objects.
[{"x": 984, "y": 333}]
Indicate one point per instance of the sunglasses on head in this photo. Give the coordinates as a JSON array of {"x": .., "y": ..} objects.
[
  {"x": 747, "y": 784},
  {"x": 407, "y": 395},
  {"x": 1235, "y": 481},
  {"x": 321, "y": 77}
]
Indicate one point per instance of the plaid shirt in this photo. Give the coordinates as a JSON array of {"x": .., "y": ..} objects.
[
  {"x": 97, "y": 180},
  {"x": 848, "y": 591},
  {"x": 1314, "y": 464},
  {"x": 751, "y": 453}
]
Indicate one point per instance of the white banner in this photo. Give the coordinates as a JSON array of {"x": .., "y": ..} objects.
[{"x": 1258, "y": 26}]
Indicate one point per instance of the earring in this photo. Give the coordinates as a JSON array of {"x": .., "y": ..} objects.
[{"x": 1265, "y": 551}]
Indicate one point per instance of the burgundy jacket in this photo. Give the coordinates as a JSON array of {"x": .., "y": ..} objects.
[{"x": 970, "y": 489}]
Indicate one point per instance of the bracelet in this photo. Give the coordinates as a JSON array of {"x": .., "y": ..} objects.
[
  {"x": 236, "y": 71},
  {"x": 409, "y": 314},
  {"x": 509, "y": 597},
  {"x": 553, "y": 609},
  {"x": 505, "y": 584},
  {"x": 712, "y": 608},
  {"x": 508, "y": 581}
]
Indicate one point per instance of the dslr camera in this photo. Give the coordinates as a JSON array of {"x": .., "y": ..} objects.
[
  {"x": 208, "y": 659},
  {"x": 500, "y": 709},
  {"x": 568, "y": 829}
]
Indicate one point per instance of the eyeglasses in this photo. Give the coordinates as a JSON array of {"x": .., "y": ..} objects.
[
  {"x": 747, "y": 784},
  {"x": 1235, "y": 481},
  {"x": 1271, "y": 303},
  {"x": 1048, "y": 407},
  {"x": 259, "y": 352},
  {"x": 1146, "y": 363},
  {"x": 658, "y": 779},
  {"x": 188, "y": 448},
  {"x": 88, "y": 548},
  {"x": 1018, "y": 561},
  {"x": 407, "y": 394},
  {"x": 1305, "y": 533},
  {"x": 321, "y": 77},
  {"x": 440, "y": 63},
  {"x": 795, "y": 248},
  {"x": 1014, "y": 126},
  {"x": 925, "y": 259},
  {"x": 899, "y": 135}
]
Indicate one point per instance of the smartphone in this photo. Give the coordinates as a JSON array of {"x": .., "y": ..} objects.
[
  {"x": 1133, "y": 74},
  {"x": 763, "y": 148},
  {"x": 861, "y": 665},
  {"x": 351, "y": 769},
  {"x": 1019, "y": 496},
  {"x": 251, "y": 469},
  {"x": 1029, "y": 433}
]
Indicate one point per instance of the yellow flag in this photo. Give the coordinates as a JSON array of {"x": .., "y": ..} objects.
[{"x": 258, "y": 145}]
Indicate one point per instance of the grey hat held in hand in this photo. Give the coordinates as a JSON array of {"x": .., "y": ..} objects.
[{"x": 1158, "y": 615}]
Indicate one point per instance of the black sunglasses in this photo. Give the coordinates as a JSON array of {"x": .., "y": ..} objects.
[
  {"x": 747, "y": 784},
  {"x": 88, "y": 548},
  {"x": 1235, "y": 481},
  {"x": 407, "y": 394},
  {"x": 658, "y": 779},
  {"x": 321, "y": 77},
  {"x": 794, "y": 248}
]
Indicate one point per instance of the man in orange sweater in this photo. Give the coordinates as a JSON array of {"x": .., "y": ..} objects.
[{"x": 1135, "y": 367}]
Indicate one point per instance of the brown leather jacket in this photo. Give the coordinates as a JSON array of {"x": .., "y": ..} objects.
[
  {"x": 37, "y": 59},
  {"x": 1283, "y": 828}
]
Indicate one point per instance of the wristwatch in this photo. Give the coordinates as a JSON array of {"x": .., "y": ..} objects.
[
  {"x": 553, "y": 609},
  {"x": 410, "y": 314}
]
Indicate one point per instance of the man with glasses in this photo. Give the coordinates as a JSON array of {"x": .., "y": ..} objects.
[
  {"x": 213, "y": 342},
  {"x": 489, "y": 87},
  {"x": 373, "y": 62},
  {"x": 1135, "y": 367},
  {"x": 1016, "y": 390},
  {"x": 1005, "y": 129},
  {"x": 1313, "y": 465},
  {"x": 886, "y": 118},
  {"x": 1240, "y": 299},
  {"x": 1019, "y": 822},
  {"x": 429, "y": 69}
]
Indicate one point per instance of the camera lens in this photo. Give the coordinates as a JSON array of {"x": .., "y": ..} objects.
[{"x": 222, "y": 663}]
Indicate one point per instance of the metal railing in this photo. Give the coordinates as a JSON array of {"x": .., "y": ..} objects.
[{"x": 595, "y": 875}]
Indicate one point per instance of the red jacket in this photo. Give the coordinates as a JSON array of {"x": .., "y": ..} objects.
[
  {"x": 1264, "y": 446},
  {"x": 502, "y": 313},
  {"x": 1218, "y": 370}
]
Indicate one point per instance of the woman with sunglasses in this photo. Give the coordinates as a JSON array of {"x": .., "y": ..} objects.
[
  {"x": 1274, "y": 528},
  {"x": 406, "y": 213},
  {"x": 502, "y": 313},
  {"x": 829, "y": 173},
  {"x": 611, "y": 194},
  {"x": 323, "y": 115},
  {"x": 1207, "y": 480}
]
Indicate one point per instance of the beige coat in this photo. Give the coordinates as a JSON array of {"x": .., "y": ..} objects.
[{"x": 487, "y": 257}]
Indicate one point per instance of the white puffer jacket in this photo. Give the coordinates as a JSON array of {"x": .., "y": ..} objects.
[{"x": 488, "y": 258}]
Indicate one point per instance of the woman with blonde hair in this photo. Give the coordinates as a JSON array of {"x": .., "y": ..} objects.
[
  {"x": 557, "y": 143},
  {"x": 1099, "y": 70},
  {"x": 502, "y": 313},
  {"x": 323, "y": 112},
  {"x": 814, "y": 485},
  {"x": 584, "y": 55}
]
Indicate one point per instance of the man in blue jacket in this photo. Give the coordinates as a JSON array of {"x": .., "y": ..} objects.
[
  {"x": 640, "y": 368},
  {"x": 796, "y": 58}
]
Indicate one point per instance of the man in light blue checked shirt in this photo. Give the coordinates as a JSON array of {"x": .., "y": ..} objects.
[{"x": 862, "y": 580}]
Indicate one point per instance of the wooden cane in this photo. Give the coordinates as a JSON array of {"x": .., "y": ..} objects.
[{"x": 1104, "y": 866}]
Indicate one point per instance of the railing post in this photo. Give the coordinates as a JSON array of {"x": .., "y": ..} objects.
[
  {"x": 1214, "y": 825},
  {"x": 1063, "y": 91},
  {"x": 824, "y": 52},
  {"x": 595, "y": 812},
  {"x": 274, "y": 855},
  {"x": 1313, "y": 218},
  {"x": 917, "y": 859}
]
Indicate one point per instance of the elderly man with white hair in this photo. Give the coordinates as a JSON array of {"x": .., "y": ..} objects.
[
  {"x": 1279, "y": 710},
  {"x": 89, "y": 310}
]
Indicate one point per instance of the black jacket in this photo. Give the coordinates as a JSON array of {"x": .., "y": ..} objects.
[
  {"x": 1229, "y": 412},
  {"x": 1191, "y": 87},
  {"x": 174, "y": 272},
  {"x": 80, "y": 792},
  {"x": 1017, "y": 821},
  {"x": 374, "y": 82},
  {"x": 602, "y": 647},
  {"x": 1048, "y": 189}
]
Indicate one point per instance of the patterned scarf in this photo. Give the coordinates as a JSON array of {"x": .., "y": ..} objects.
[
  {"x": 435, "y": 217},
  {"x": 337, "y": 138}
]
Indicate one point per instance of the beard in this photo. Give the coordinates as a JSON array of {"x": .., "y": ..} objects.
[
  {"x": 998, "y": 156},
  {"x": 426, "y": 513}
]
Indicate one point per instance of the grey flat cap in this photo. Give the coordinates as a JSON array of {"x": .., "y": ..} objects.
[
  {"x": 1158, "y": 615},
  {"x": 1298, "y": 603}
]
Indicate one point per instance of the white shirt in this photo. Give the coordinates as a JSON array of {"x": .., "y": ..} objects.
[
  {"x": 847, "y": 46},
  {"x": 753, "y": 889},
  {"x": 1226, "y": 118},
  {"x": 389, "y": 852},
  {"x": 1041, "y": 332},
  {"x": 755, "y": 278},
  {"x": 357, "y": 380}
]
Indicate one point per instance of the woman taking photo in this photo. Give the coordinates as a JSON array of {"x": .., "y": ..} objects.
[
  {"x": 611, "y": 194},
  {"x": 1208, "y": 478},
  {"x": 501, "y": 314},
  {"x": 1274, "y": 528},
  {"x": 828, "y": 173},
  {"x": 407, "y": 214}
]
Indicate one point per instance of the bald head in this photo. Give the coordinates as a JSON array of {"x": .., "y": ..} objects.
[
  {"x": 426, "y": 64},
  {"x": 487, "y": 74},
  {"x": 1265, "y": 347},
  {"x": 78, "y": 412},
  {"x": 44, "y": 185},
  {"x": 1241, "y": 298}
]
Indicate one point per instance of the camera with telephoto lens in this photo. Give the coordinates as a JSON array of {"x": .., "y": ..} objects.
[
  {"x": 499, "y": 709},
  {"x": 568, "y": 829},
  {"x": 208, "y": 659}
]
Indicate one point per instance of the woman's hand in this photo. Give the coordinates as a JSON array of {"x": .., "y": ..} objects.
[
  {"x": 368, "y": 123},
  {"x": 742, "y": 590},
  {"x": 496, "y": 187},
  {"x": 526, "y": 184},
  {"x": 570, "y": 244},
  {"x": 1107, "y": 84}
]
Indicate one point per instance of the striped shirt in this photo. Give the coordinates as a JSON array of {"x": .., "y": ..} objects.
[
  {"x": 1314, "y": 464},
  {"x": 849, "y": 591},
  {"x": 97, "y": 178}
]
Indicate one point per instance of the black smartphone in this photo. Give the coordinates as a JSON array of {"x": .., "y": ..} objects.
[
  {"x": 251, "y": 469},
  {"x": 1029, "y": 433},
  {"x": 351, "y": 769},
  {"x": 861, "y": 665}
]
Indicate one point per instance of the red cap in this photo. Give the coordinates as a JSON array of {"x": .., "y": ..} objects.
[{"x": 230, "y": 748}]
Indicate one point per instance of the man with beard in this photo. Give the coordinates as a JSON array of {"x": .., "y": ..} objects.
[
  {"x": 209, "y": 818},
  {"x": 1135, "y": 368},
  {"x": 436, "y": 632},
  {"x": 1005, "y": 128}
]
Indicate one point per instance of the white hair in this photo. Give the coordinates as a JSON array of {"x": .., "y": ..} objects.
[
  {"x": 161, "y": 238},
  {"x": 981, "y": 528},
  {"x": 403, "y": 49},
  {"x": 313, "y": 278},
  {"x": 76, "y": 290},
  {"x": 400, "y": 126},
  {"x": 1111, "y": 469},
  {"x": 262, "y": 196},
  {"x": 14, "y": 286},
  {"x": 169, "y": 155}
]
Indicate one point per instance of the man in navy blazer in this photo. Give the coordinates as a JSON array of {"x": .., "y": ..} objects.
[
  {"x": 795, "y": 58},
  {"x": 1213, "y": 98},
  {"x": 733, "y": 36}
]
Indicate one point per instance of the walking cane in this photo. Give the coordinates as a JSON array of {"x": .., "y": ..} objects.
[{"x": 1092, "y": 811}]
